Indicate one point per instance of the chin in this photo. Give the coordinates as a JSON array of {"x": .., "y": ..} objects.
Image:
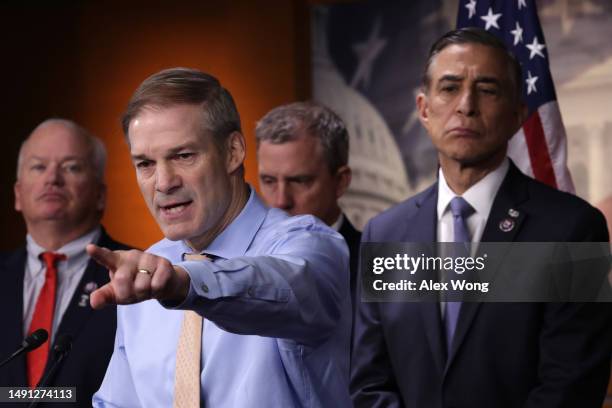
[{"x": 173, "y": 233}]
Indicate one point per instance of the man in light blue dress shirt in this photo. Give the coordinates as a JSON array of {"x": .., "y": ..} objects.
[{"x": 275, "y": 303}]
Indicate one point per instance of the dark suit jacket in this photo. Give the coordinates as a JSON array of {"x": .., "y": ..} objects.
[
  {"x": 92, "y": 332},
  {"x": 503, "y": 354},
  {"x": 353, "y": 239}
]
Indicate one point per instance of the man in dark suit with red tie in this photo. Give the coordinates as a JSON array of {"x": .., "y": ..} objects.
[
  {"x": 469, "y": 354},
  {"x": 61, "y": 194}
]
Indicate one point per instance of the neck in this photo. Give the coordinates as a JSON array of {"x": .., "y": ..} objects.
[
  {"x": 332, "y": 217},
  {"x": 54, "y": 235},
  {"x": 460, "y": 177},
  {"x": 238, "y": 199}
]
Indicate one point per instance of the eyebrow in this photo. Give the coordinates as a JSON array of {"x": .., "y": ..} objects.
[
  {"x": 139, "y": 157},
  {"x": 479, "y": 79},
  {"x": 170, "y": 152},
  {"x": 294, "y": 177},
  {"x": 63, "y": 159}
]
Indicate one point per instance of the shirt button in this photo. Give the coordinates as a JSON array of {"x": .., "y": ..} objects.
[{"x": 204, "y": 288}]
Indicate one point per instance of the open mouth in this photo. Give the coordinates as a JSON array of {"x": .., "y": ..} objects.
[{"x": 174, "y": 209}]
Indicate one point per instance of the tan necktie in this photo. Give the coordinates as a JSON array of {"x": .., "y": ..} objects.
[{"x": 188, "y": 355}]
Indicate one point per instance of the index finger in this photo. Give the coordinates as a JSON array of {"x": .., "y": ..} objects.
[{"x": 103, "y": 256}]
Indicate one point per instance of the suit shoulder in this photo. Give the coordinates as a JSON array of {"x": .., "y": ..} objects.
[
  {"x": 402, "y": 210},
  {"x": 562, "y": 207},
  {"x": 116, "y": 245},
  {"x": 107, "y": 241},
  {"x": 11, "y": 257},
  {"x": 556, "y": 201}
]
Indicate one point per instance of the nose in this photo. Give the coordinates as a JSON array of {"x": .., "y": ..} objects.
[
  {"x": 468, "y": 104},
  {"x": 282, "y": 197},
  {"x": 166, "y": 178},
  {"x": 54, "y": 175}
]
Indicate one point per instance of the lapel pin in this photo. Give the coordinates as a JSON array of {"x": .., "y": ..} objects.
[
  {"x": 513, "y": 213},
  {"x": 90, "y": 287},
  {"x": 506, "y": 225},
  {"x": 84, "y": 300}
]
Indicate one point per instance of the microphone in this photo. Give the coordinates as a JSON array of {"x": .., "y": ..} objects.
[
  {"x": 61, "y": 348},
  {"x": 63, "y": 345},
  {"x": 33, "y": 341}
]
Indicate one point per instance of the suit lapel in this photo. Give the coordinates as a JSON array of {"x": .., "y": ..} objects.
[
  {"x": 422, "y": 228},
  {"x": 11, "y": 304},
  {"x": 79, "y": 310},
  {"x": 507, "y": 217},
  {"x": 503, "y": 225}
]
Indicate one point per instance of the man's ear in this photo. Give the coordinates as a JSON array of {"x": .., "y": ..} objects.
[
  {"x": 521, "y": 116},
  {"x": 16, "y": 189},
  {"x": 101, "y": 199},
  {"x": 343, "y": 180},
  {"x": 235, "y": 151},
  {"x": 422, "y": 105}
]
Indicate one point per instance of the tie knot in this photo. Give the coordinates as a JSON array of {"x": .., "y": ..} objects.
[
  {"x": 197, "y": 257},
  {"x": 51, "y": 258},
  {"x": 461, "y": 208}
]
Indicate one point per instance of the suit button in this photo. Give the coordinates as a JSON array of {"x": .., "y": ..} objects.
[{"x": 204, "y": 288}]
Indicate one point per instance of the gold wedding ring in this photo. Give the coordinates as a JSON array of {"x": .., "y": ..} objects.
[{"x": 146, "y": 272}]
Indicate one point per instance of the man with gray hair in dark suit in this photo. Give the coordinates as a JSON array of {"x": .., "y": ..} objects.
[{"x": 60, "y": 192}]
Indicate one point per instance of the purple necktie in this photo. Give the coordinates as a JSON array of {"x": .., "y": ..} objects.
[{"x": 461, "y": 210}]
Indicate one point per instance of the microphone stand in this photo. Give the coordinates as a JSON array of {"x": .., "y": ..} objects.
[{"x": 61, "y": 349}]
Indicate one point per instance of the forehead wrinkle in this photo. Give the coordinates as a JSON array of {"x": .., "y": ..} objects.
[{"x": 488, "y": 80}]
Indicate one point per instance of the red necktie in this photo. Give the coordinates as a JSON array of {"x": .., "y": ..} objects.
[{"x": 43, "y": 318}]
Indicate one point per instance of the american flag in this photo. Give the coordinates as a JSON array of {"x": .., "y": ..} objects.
[{"x": 540, "y": 147}]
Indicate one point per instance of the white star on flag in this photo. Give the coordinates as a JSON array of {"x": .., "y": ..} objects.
[
  {"x": 471, "y": 6},
  {"x": 540, "y": 146},
  {"x": 536, "y": 48},
  {"x": 491, "y": 19},
  {"x": 517, "y": 33},
  {"x": 531, "y": 80},
  {"x": 367, "y": 52}
]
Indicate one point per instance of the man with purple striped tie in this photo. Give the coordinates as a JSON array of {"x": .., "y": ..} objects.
[{"x": 474, "y": 354}]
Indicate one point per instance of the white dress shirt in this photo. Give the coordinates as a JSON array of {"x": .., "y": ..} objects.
[
  {"x": 336, "y": 225},
  {"x": 69, "y": 274},
  {"x": 480, "y": 196}
]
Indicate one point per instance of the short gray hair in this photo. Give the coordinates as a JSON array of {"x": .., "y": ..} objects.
[
  {"x": 284, "y": 123},
  {"x": 476, "y": 35},
  {"x": 177, "y": 86},
  {"x": 97, "y": 148}
]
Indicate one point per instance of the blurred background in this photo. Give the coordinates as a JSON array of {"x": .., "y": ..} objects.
[{"x": 82, "y": 60}]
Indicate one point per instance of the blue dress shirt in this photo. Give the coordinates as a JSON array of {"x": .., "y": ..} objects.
[{"x": 277, "y": 328}]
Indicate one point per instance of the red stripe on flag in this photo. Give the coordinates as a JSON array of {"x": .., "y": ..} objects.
[{"x": 538, "y": 150}]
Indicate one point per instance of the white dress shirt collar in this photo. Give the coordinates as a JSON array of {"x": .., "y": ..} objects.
[
  {"x": 480, "y": 196},
  {"x": 74, "y": 251},
  {"x": 336, "y": 225}
]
